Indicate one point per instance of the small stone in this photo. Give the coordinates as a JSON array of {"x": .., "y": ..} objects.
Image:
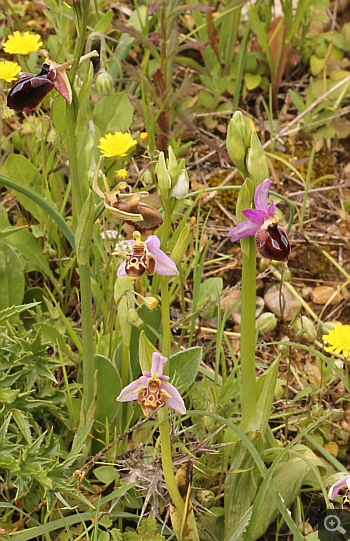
[
  {"x": 306, "y": 293},
  {"x": 231, "y": 299},
  {"x": 324, "y": 294},
  {"x": 274, "y": 299}
]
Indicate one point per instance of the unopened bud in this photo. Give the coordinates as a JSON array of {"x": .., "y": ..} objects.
[
  {"x": 305, "y": 329},
  {"x": 266, "y": 322},
  {"x": 83, "y": 234},
  {"x": 164, "y": 180},
  {"x": 150, "y": 302},
  {"x": 173, "y": 166},
  {"x": 256, "y": 160},
  {"x": 104, "y": 83},
  {"x": 244, "y": 128},
  {"x": 181, "y": 244},
  {"x": 147, "y": 177},
  {"x": 284, "y": 348},
  {"x": 235, "y": 146},
  {"x": 133, "y": 318},
  {"x": 286, "y": 275},
  {"x": 328, "y": 326},
  {"x": 182, "y": 185}
]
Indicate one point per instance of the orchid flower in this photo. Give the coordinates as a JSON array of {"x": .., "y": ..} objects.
[
  {"x": 271, "y": 239},
  {"x": 340, "y": 488},
  {"x": 146, "y": 256},
  {"x": 152, "y": 389}
]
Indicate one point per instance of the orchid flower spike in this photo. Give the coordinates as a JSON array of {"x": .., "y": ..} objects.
[
  {"x": 340, "y": 488},
  {"x": 271, "y": 239},
  {"x": 152, "y": 389},
  {"x": 146, "y": 256}
]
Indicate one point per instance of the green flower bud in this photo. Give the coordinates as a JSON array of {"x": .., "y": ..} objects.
[
  {"x": 104, "y": 83},
  {"x": 181, "y": 244},
  {"x": 266, "y": 322},
  {"x": 147, "y": 177},
  {"x": 244, "y": 128},
  {"x": 305, "y": 329},
  {"x": 173, "y": 166},
  {"x": 83, "y": 235},
  {"x": 182, "y": 185},
  {"x": 133, "y": 318},
  {"x": 286, "y": 275},
  {"x": 164, "y": 180},
  {"x": 256, "y": 160},
  {"x": 283, "y": 348},
  {"x": 328, "y": 326},
  {"x": 235, "y": 146}
]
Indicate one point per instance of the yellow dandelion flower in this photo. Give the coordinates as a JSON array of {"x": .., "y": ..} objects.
[
  {"x": 22, "y": 44},
  {"x": 122, "y": 173},
  {"x": 9, "y": 70},
  {"x": 116, "y": 145},
  {"x": 143, "y": 136},
  {"x": 339, "y": 339}
]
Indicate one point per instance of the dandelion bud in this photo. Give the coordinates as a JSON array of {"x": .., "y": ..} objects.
[
  {"x": 328, "y": 326},
  {"x": 104, "y": 83},
  {"x": 133, "y": 318},
  {"x": 235, "y": 146},
  {"x": 256, "y": 160},
  {"x": 147, "y": 177},
  {"x": 150, "y": 302},
  {"x": 163, "y": 176},
  {"x": 83, "y": 235},
  {"x": 266, "y": 322},
  {"x": 305, "y": 329},
  {"x": 182, "y": 185}
]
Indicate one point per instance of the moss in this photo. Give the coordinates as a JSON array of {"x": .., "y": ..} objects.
[{"x": 228, "y": 198}]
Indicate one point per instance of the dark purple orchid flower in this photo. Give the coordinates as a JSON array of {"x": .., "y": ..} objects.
[
  {"x": 31, "y": 89},
  {"x": 152, "y": 389},
  {"x": 271, "y": 239}
]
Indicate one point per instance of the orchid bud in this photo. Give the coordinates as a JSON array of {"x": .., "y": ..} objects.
[
  {"x": 181, "y": 244},
  {"x": 164, "y": 180},
  {"x": 305, "y": 329},
  {"x": 104, "y": 83},
  {"x": 244, "y": 128},
  {"x": 173, "y": 166},
  {"x": 286, "y": 275},
  {"x": 235, "y": 146},
  {"x": 182, "y": 185},
  {"x": 256, "y": 160},
  {"x": 266, "y": 322}
]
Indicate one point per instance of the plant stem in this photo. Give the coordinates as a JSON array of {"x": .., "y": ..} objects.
[
  {"x": 167, "y": 464},
  {"x": 87, "y": 336},
  {"x": 248, "y": 302}
]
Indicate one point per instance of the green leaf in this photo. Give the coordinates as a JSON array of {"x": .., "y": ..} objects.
[
  {"x": 252, "y": 81},
  {"x": 266, "y": 388},
  {"x": 184, "y": 367},
  {"x": 109, "y": 386},
  {"x": 106, "y": 474},
  {"x": 209, "y": 290},
  {"x": 11, "y": 277},
  {"x": 113, "y": 113},
  {"x": 287, "y": 480},
  {"x": 104, "y": 23}
]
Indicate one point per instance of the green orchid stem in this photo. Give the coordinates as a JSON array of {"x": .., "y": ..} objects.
[
  {"x": 167, "y": 463},
  {"x": 166, "y": 349},
  {"x": 248, "y": 303},
  {"x": 87, "y": 336}
]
